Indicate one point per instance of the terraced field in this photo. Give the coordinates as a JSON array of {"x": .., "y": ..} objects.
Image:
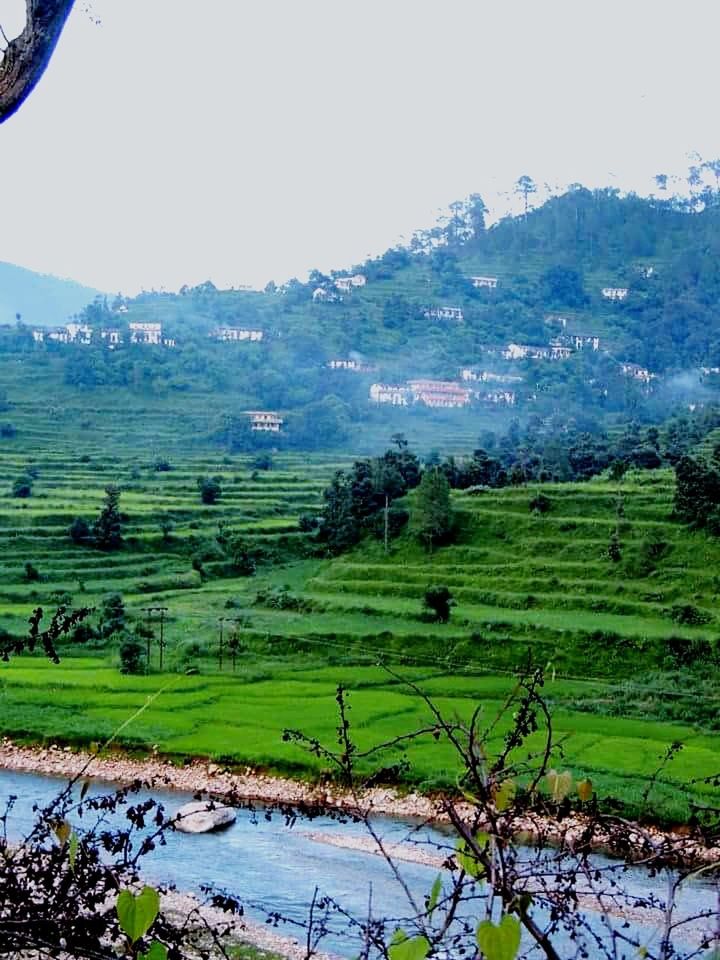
[{"x": 612, "y": 634}]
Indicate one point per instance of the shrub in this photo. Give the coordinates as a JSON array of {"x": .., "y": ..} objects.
[
  {"x": 161, "y": 465},
  {"x": 439, "y": 601},
  {"x": 686, "y": 651},
  {"x": 687, "y": 614},
  {"x": 22, "y": 487},
  {"x": 614, "y": 551},
  {"x": 263, "y": 462},
  {"x": 540, "y": 504},
  {"x": 79, "y": 530},
  {"x": 31, "y": 573},
  {"x": 131, "y": 655},
  {"x": 210, "y": 489},
  {"x": 8, "y": 431}
]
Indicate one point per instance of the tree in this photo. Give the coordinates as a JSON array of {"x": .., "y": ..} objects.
[
  {"x": 22, "y": 487},
  {"x": 210, "y": 489},
  {"x": 112, "y": 615},
  {"x": 107, "y": 529},
  {"x": 525, "y": 185},
  {"x": 80, "y": 531},
  {"x": 27, "y": 56},
  {"x": 440, "y": 601},
  {"x": 431, "y": 518},
  {"x": 697, "y": 491}
]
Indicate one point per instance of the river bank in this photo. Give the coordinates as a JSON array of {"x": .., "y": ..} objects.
[{"x": 197, "y": 776}]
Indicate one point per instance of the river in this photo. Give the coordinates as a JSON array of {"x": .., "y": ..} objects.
[{"x": 274, "y": 867}]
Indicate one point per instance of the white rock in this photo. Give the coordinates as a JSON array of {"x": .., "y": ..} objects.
[{"x": 203, "y": 816}]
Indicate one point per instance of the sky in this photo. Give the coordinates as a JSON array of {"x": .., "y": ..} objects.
[{"x": 175, "y": 141}]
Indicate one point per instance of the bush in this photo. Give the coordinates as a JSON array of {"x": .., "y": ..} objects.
[
  {"x": 439, "y": 601},
  {"x": 263, "y": 462},
  {"x": 540, "y": 504},
  {"x": 686, "y": 651},
  {"x": 131, "y": 656},
  {"x": 161, "y": 465},
  {"x": 210, "y": 489},
  {"x": 22, "y": 487},
  {"x": 8, "y": 431},
  {"x": 79, "y": 531},
  {"x": 688, "y": 615},
  {"x": 31, "y": 573}
]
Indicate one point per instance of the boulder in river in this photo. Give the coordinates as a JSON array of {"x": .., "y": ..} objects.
[{"x": 204, "y": 816}]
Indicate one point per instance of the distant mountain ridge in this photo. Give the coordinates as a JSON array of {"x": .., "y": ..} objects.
[{"x": 40, "y": 298}]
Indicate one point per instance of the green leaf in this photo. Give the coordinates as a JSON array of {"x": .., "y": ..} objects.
[
  {"x": 434, "y": 894},
  {"x": 467, "y": 860},
  {"x": 137, "y": 913},
  {"x": 72, "y": 850},
  {"x": 500, "y": 942},
  {"x": 157, "y": 951},
  {"x": 403, "y": 947},
  {"x": 504, "y": 794}
]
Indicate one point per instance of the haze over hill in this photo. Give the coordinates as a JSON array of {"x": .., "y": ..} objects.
[{"x": 40, "y": 298}]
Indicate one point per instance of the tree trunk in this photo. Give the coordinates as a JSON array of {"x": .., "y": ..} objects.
[{"x": 27, "y": 56}]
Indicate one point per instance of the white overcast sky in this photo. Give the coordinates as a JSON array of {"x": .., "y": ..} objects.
[{"x": 242, "y": 140}]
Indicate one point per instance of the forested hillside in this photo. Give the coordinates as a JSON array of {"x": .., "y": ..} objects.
[
  {"x": 39, "y": 298},
  {"x": 594, "y": 305}
]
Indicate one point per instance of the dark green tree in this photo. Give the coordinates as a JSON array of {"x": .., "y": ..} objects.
[
  {"x": 22, "y": 487},
  {"x": 431, "y": 517},
  {"x": 697, "y": 491},
  {"x": 107, "y": 529},
  {"x": 439, "y": 601},
  {"x": 210, "y": 489},
  {"x": 80, "y": 531}
]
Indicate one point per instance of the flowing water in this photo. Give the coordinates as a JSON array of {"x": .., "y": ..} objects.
[{"x": 274, "y": 867}]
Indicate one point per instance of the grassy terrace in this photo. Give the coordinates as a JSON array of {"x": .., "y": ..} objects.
[{"x": 524, "y": 584}]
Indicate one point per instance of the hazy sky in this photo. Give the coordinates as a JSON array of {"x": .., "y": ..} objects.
[{"x": 242, "y": 140}]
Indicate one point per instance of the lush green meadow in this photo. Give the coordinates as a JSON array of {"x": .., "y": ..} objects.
[{"x": 612, "y": 635}]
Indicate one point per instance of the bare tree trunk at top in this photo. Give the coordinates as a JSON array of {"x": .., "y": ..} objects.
[{"x": 27, "y": 56}]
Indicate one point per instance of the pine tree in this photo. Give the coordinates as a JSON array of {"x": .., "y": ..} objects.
[{"x": 107, "y": 532}]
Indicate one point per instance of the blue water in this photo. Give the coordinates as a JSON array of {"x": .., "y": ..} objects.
[{"x": 273, "y": 867}]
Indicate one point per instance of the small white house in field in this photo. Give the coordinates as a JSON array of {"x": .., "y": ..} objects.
[
  {"x": 265, "y": 421},
  {"x": 394, "y": 394},
  {"x": 444, "y": 313},
  {"x": 147, "y": 333},
  {"x": 489, "y": 283},
  {"x": 348, "y": 284},
  {"x": 614, "y": 293}
]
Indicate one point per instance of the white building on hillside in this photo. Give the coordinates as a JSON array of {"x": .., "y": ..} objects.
[
  {"x": 444, "y": 313},
  {"x": 147, "y": 333},
  {"x": 237, "y": 334},
  {"x": 348, "y": 284},
  {"x": 394, "y": 394},
  {"x": 614, "y": 293},
  {"x": 490, "y": 283},
  {"x": 265, "y": 421}
]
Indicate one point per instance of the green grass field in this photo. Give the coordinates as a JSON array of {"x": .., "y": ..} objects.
[{"x": 525, "y": 585}]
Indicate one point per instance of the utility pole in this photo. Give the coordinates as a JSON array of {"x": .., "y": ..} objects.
[
  {"x": 387, "y": 509},
  {"x": 221, "y": 620},
  {"x": 161, "y": 643}
]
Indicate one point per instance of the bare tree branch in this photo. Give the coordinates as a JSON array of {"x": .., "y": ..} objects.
[{"x": 27, "y": 56}]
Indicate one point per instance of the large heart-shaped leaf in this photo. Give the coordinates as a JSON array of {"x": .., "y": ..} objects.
[
  {"x": 500, "y": 942},
  {"x": 137, "y": 913},
  {"x": 403, "y": 947}
]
